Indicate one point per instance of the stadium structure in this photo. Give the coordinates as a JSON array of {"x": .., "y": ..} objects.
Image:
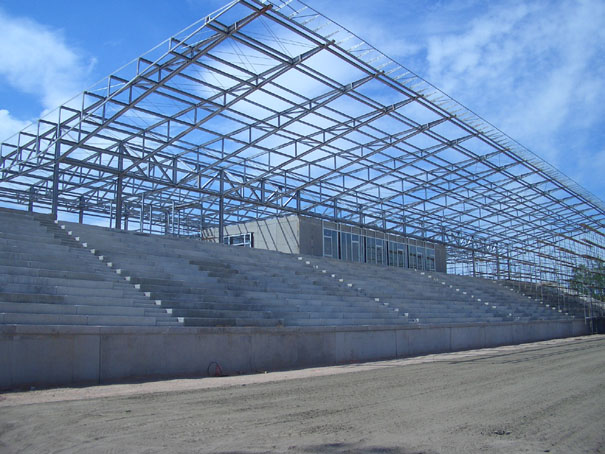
[{"x": 268, "y": 126}]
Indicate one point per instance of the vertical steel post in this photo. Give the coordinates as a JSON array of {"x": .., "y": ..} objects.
[
  {"x": 497, "y": 263},
  {"x": 30, "y": 202},
  {"x": 142, "y": 216},
  {"x": 202, "y": 220},
  {"x": 473, "y": 257},
  {"x": 172, "y": 214},
  {"x": 508, "y": 260},
  {"x": 55, "y": 199},
  {"x": 126, "y": 214},
  {"x": 298, "y": 202},
  {"x": 81, "y": 210},
  {"x": 119, "y": 184},
  {"x": 221, "y": 208}
]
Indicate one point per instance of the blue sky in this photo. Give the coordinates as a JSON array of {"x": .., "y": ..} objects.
[{"x": 533, "y": 69}]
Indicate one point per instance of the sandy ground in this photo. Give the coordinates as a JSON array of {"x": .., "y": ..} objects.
[{"x": 532, "y": 398}]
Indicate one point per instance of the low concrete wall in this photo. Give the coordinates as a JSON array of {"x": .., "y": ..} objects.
[{"x": 53, "y": 356}]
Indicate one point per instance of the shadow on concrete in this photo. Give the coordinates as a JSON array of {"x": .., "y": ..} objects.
[{"x": 343, "y": 448}]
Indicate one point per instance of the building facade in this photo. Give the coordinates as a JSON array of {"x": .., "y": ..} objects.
[{"x": 316, "y": 237}]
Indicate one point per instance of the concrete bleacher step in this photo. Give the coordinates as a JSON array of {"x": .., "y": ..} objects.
[
  {"x": 49, "y": 279},
  {"x": 231, "y": 286},
  {"x": 202, "y": 321},
  {"x": 219, "y": 313},
  {"x": 73, "y": 309},
  {"x": 345, "y": 322},
  {"x": 169, "y": 281},
  {"x": 69, "y": 319},
  {"x": 51, "y": 273},
  {"x": 432, "y": 288}
]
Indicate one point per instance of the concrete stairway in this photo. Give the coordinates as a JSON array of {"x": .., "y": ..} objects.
[
  {"x": 214, "y": 285},
  {"x": 49, "y": 280},
  {"x": 520, "y": 306},
  {"x": 430, "y": 297},
  {"x": 66, "y": 273},
  {"x": 550, "y": 296}
]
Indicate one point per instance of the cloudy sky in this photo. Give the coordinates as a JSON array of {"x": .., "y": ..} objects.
[{"x": 534, "y": 69}]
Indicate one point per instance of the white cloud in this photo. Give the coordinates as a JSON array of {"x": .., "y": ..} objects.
[
  {"x": 38, "y": 61},
  {"x": 532, "y": 69},
  {"x": 9, "y": 125}
]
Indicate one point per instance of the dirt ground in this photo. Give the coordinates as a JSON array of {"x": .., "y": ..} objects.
[{"x": 532, "y": 398}]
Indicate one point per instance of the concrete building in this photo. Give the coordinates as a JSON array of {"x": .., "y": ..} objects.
[{"x": 311, "y": 236}]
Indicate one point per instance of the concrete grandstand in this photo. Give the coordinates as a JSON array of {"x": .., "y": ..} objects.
[{"x": 365, "y": 229}]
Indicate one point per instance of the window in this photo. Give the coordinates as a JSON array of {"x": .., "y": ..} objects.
[
  {"x": 346, "y": 246},
  {"x": 420, "y": 258},
  {"x": 356, "y": 248},
  {"x": 392, "y": 253},
  {"x": 413, "y": 260},
  {"x": 397, "y": 253},
  {"x": 353, "y": 247},
  {"x": 430, "y": 259},
  {"x": 370, "y": 250},
  {"x": 330, "y": 243},
  {"x": 245, "y": 240},
  {"x": 380, "y": 252}
]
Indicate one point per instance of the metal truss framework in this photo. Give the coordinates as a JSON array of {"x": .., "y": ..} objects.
[{"x": 266, "y": 108}]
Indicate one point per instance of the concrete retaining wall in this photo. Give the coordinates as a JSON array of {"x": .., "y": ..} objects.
[{"x": 52, "y": 356}]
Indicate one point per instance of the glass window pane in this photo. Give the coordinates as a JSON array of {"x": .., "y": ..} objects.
[
  {"x": 412, "y": 257},
  {"x": 371, "y": 250},
  {"x": 355, "y": 248},
  {"x": 334, "y": 244},
  {"x": 379, "y": 252},
  {"x": 420, "y": 255}
]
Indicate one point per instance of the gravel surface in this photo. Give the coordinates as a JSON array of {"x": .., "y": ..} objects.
[{"x": 532, "y": 398}]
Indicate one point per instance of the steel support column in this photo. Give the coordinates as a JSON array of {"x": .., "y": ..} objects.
[
  {"x": 497, "y": 264},
  {"x": 142, "y": 216},
  {"x": 508, "y": 260},
  {"x": 55, "y": 195},
  {"x": 119, "y": 187},
  {"x": 221, "y": 208},
  {"x": 201, "y": 219},
  {"x": 473, "y": 258},
  {"x": 30, "y": 202},
  {"x": 81, "y": 210}
]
